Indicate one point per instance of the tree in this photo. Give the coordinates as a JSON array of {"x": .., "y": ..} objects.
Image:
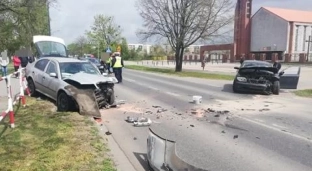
[
  {"x": 20, "y": 20},
  {"x": 104, "y": 31},
  {"x": 183, "y": 22}
]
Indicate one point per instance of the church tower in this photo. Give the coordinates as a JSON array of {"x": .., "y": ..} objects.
[{"x": 242, "y": 28}]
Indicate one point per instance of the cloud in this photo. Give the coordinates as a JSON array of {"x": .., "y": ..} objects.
[{"x": 71, "y": 18}]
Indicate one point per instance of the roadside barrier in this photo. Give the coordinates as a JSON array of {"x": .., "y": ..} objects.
[{"x": 12, "y": 101}]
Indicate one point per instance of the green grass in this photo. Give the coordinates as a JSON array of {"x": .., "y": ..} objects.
[
  {"x": 183, "y": 73},
  {"x": 304, "y": 93},
  {"x": 47, "y": 140}
]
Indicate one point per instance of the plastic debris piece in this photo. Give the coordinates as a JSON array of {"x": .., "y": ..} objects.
[{"x": 143, "y": 122}]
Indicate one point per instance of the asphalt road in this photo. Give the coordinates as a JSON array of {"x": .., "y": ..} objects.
[{"x": 273, "y": 132}]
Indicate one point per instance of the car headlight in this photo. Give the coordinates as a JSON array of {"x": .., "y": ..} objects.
[{"x": 241, "y": 79}]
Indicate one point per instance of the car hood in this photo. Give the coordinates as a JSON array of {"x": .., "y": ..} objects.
[
  {"x": 87, "y": 79},
  {"x": 271, "y": 69}
]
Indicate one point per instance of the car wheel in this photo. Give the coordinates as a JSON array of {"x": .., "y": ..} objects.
[
  {"x": 63, "y": 102},
  {"x": 31, "y": 87},
  {"x": 111, "y": 99},
  {"x": 276, "y": 87},
  {"x": 235, "y": 90}
]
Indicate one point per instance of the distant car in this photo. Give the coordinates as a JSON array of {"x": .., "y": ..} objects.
[
  {"x": 96, "y": 62},
  {"x": 257, "y": 76},
  {"x": 51, "y": 75}
]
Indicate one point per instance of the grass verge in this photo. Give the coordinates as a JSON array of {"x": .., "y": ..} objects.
[
  {"x": 304, "y": 93},
  {"x": 47, "y": 140},
  {"x": 183, "y": 73}
]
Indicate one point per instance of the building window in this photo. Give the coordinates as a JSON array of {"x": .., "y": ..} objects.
[
  {"x": 296, "y": 38},
  {"x": 304, "y": 38}
]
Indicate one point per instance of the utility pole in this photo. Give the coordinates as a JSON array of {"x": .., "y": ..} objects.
[
  {"x": 49, "y": 22},
  {"x": 309, "y": 42}
]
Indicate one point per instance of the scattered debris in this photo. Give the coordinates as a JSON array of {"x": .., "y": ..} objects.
[
  {"x": 223, "y": 132},
  {"x": 258, "y": 138},
  {"x": 149, "y": 112},
  {"x": 216, "y": 116},
  {"x": 143, "y": 122},
  {"x": 265, "y": 109},
  {"x": 235, "y": 136},
  {"x": 131, "y": 119},
  {"x": 108, "y": 133},
  {"x": 161, "y": 110},
  {"x": 192, "y": 125},
  {"x": 197, "y": 99},
  {"x": 156, "y": 106},
  {"x": 135, "y": 138},
  {"x": 121, "y": 102}
]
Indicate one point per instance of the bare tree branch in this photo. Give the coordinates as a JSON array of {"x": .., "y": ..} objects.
[{"x": 184, "y": 22}]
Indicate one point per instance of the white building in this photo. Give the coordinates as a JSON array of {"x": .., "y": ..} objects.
[
  {"x": 280, "y": 31},
  {"x": 144, "y": 48}
]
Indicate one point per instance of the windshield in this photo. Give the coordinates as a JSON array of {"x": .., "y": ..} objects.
[
  {"x": 256, "y": 64},
  {"x": 70, "y": 68},
  {"x": 53, "y": 49}
]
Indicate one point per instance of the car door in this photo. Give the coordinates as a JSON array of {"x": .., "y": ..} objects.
[
  {"x": 38, "y": 72},
  {"x": 51, "y": 83},
  {"x": 290, "y": 78}
]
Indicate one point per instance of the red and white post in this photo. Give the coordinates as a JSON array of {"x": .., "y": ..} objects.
[{"x": 10, "y": 110}]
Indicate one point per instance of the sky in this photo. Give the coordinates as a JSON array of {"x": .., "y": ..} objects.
[{"x": 71, "y": 18}]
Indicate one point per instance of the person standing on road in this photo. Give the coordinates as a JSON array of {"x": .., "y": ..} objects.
[
  {"x": 203, "y": 64},
  {"x": 117, "y": 64},
  {"x": 108, "y": 63},
  {"x": 277, "y": 65},
  {"x": 4, "y": 64},
  {"x": 16, "y": 63}
]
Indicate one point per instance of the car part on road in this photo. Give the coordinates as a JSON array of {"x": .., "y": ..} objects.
[
  {"x": 142, "y": 122},
  {"x": 197, "y": 99},
  {"x": 161, "y": 154}
]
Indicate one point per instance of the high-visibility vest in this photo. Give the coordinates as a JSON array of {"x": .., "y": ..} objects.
[
  {"x": 109, "y": 60},
  {"x": 118, "y": 62}
]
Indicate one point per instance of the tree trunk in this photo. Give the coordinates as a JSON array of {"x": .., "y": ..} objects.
[{"x": 179, "y": 59}]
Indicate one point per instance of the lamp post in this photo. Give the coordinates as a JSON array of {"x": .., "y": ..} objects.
[{"x": 308, "y": 53}]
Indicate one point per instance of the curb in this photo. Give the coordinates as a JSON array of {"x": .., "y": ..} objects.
[{"x": 118, "y": 156}]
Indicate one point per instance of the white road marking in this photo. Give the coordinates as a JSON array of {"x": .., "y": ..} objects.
[
  {"x": 277, "y": 129},
  {"x": 279, "y": 126},
  {"x": 128, "y": 79},
  {"x": 153, "y": 88},
  {"x": 173, "y": 94},
  {"x": 259, "y": 120}
]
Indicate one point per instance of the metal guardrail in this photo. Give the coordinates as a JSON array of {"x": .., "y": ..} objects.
[{"x": 162, "y": 156}]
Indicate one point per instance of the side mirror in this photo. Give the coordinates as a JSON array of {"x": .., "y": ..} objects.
[
  {"x": 53, "y": 75},
  {"x": 236, "y": 67}
]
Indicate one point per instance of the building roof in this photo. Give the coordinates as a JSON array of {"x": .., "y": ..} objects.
[{"x": 291, "y": 15}]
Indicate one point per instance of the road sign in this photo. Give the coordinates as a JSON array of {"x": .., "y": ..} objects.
[
  {"x": 108, "y": 50},
  {"x": 118, "y": 48}
]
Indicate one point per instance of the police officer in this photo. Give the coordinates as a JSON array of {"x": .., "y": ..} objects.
[
  {"x": 117, "y": 64},
  {"x": 108, "y": 63}
]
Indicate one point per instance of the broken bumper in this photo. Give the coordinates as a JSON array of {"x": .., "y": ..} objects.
[
  {"x": 242, "y": 86},
  {"x": 161, "y": 154}
]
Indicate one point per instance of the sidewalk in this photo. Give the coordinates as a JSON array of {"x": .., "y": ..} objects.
[{"x": 3, "y": 92}]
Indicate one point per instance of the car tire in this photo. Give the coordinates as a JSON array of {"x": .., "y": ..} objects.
[
  {"x": 235, "y": 90},
  {"x": 31, "y": 87},
  {"x": 111, "y": 99},
  {"x": 63, "y": 102},
  {"x": 276, "y": 87}
]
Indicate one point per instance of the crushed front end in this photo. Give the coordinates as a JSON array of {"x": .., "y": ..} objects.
[
  {"x": 255, "y": 80},
  {"x": 104, "y": 94}
]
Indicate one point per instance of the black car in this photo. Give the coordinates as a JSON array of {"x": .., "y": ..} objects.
[
  {"x": 96, "y": 62},
  {"x": 257, "y": 76}
]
